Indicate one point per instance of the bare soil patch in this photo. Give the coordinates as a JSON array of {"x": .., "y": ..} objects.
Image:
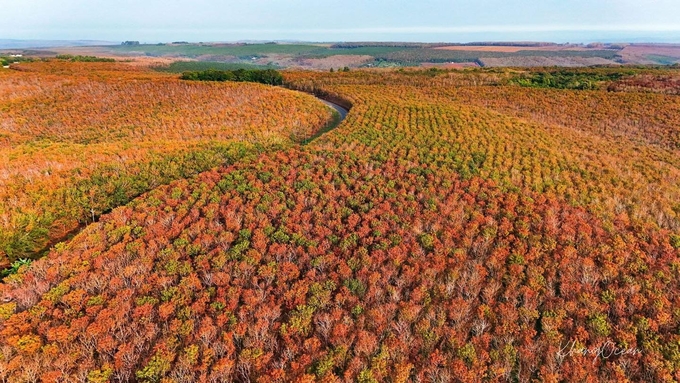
[{"x": 671, "y": 50}]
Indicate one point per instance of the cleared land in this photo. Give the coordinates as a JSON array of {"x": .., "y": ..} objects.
[{"x": 651, "y": 54}]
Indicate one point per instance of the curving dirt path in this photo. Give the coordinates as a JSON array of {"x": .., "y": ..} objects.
[
  {"x": 341, "y": 111},
  {"x": 341, "y": 115}
]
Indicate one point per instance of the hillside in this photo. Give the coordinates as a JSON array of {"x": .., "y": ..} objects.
[{"x": 474, "y": 225}]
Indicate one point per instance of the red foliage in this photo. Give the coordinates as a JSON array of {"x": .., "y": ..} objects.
[{"x": 374, "y": 253}]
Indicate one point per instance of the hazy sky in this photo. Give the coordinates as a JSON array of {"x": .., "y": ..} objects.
[{"x": 428, "y": 20}]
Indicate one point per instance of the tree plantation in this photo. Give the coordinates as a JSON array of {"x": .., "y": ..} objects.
[
  {"x": 78, "y": 139},
  {"x": 457, "y": 226}
]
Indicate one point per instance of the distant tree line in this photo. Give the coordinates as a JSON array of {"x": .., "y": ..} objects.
[
  {"x": 130, "y": 43},
  {"x": 80, "y": 58},
  {"x": 265, "y": 76}
]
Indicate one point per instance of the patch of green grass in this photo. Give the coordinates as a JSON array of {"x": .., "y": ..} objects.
[{"x": 15, "y": 266}]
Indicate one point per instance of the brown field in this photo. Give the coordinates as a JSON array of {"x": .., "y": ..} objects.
[
  {"x": 639, "y": 53},
  {"x": 671, "y": 50}
]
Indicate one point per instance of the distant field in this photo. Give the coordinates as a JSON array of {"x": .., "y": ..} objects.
[
  {"x": 665, "y": 50},
  {"x": 663, "y": 60},
  {"x": 356, "y": 55},
  {"x": 372, "y": 51},
  {"x": 192, "y": 50},
  {"x": 651, "y": 54},
  {"x": 507, "y": 48},
  {"x": 380, "y": 52},
  {"x": 414, "y": 56}
]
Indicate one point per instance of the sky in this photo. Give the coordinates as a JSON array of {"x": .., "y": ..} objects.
[{"x": 154, "y": 21}]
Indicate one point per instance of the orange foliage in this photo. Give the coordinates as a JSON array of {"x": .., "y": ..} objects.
[
  {"x": 66, "y": 125},
  {"x": 430, "y": 237}
]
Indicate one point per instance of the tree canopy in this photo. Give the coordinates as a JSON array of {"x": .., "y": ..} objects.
[{"x": 266, "y": 76}]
